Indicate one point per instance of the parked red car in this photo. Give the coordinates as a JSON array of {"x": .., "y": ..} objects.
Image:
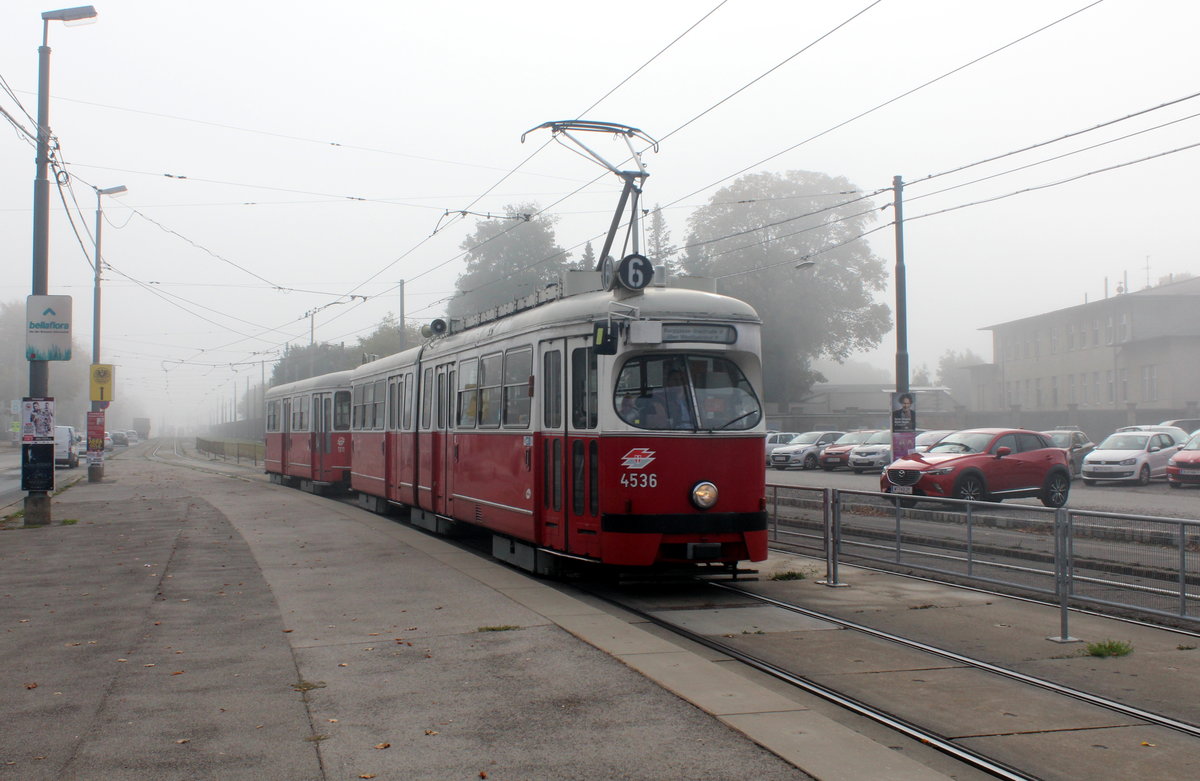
[
  {"x": 838, "y": 454},
  {"x": 1184, "y": 467},
  {"x": 983, "y": 464}
]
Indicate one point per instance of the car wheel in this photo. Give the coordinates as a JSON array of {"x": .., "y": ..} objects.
[
  {"x": 905, "y": 503},
  {"x": 971, "y": 488},
  {"x": 1088, "y": 482},
  {"x": 810, "y": 461},
  {"x": 827, "y": 467},
  {"x": 781, "y": 468},
  {"x": 1175, "y": 485},
  {"x": 1143, "y": 477},
  {"x": 859, "y": 471},
  {"x": 1056, "y": 490}
]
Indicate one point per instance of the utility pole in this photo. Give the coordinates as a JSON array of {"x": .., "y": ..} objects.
[
  {"x": 403, "y": 332},
  {"x": 901, "y": 291}
]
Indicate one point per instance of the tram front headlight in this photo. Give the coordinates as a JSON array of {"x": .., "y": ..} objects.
[{"x": 704, "y": 495}]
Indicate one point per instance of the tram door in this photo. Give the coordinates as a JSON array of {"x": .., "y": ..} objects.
[
  {"x": 285, "y": 452},
  {"x": 445, "y": 453},
  {"x": 551, "y": 457},
  {"x": 582, "y": 451},
  {"x": 322, "y": 426}
]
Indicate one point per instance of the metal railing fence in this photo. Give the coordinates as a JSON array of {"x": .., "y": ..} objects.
[
  {"x": 226, "y": 450},
  {"x": 1131, "y": 564}
]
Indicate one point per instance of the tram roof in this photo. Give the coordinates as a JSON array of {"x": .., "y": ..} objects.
[{"x": 331, "y": 381}]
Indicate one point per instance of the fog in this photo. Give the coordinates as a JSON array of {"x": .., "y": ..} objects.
[{"x": 281, "y": 159}]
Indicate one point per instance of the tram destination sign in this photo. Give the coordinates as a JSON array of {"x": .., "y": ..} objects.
[{"x": 48, "y": 328}]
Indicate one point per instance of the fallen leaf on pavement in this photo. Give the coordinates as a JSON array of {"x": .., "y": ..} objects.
[{"x": 383, "y": 745}]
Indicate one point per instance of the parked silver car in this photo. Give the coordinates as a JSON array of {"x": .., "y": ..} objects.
[
  {"x": 874, "y": 454},
  {"x": 777, "y": 439},
  {"x": 804, "y": 450},
  {"x": 1130, "y": 455}
]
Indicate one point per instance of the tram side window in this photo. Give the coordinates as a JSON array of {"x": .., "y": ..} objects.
[
  {"x": 358, "y": 407},
  {"x": 552, "y": 402},
  {"x": 441, "y": 400},
  {"x": 408, "y": 400},
  {"x": 583, "y": 387},
  {"x": 427, "y": 398},
  {"x": 393, "y": 406},
  {"x": 468, "y": 393},
  {"x": 491, "y": 375},
  {"x": 299, "y": 414},
  {"x": 272, "y": 416},
  {"x": 518, "y": 370},
  {"x": 377, "y": 419},
  {"x": 341, "y": 411}
]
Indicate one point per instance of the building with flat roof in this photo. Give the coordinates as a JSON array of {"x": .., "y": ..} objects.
[{"x": 1129, "y": 358}]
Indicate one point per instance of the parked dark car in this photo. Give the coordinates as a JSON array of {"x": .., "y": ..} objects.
[
  {"x": 1076, "y": 443},
  {"x": 983, "y": 464},
  {"x": 119, "y": 438}
]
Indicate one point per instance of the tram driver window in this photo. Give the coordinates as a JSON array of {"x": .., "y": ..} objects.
[{"x": 686, "y": 392}]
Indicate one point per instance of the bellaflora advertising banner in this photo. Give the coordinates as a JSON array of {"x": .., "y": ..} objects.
[{"x": 48, "y": 331}]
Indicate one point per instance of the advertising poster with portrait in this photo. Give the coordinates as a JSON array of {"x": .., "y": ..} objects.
[
  {"x": 37, "y": 420},
  {"x": 904, "y": 424}
]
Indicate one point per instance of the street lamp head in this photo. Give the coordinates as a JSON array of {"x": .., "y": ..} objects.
[
  {"x": 120, "y": 188},
  {"x": 82, "y": 14}
]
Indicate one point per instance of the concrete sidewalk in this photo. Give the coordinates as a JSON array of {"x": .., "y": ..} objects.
[{"x": 179, "y": 624}]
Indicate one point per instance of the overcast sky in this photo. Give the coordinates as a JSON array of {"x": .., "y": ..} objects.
[{"x": 280, "y": 156}]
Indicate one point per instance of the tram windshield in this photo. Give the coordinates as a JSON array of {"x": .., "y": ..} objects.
[{"x": 690, "y": 392}]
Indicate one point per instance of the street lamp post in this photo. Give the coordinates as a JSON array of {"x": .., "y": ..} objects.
[
  {"x": 96, "y": 458},
  {"x": 37, "y": 503}
]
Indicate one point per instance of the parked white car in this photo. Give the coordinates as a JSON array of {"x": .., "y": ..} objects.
[
  {"x": 874, "y": 454},
  {"x": 66, "y": 447},
  {"x": 1130, "y": 455}
]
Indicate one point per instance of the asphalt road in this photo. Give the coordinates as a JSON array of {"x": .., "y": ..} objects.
[{"x": 1154, "y": 499}]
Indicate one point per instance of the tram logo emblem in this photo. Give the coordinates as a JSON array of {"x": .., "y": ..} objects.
[{"x": 638, "y": 458}]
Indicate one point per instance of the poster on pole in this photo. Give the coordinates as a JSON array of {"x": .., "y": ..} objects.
[
  {"x": 48, "y": 328},
  {"x": 37, "y": 419},
  {"x": 904, "y": 424}
]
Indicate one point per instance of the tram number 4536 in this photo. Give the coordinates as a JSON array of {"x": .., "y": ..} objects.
[{"x": 639, "y": 480}]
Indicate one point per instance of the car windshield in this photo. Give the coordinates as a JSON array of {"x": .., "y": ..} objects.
[
  {"x": 1060, "y": 438},
  {"x": 880, "y": 438},
  {"x": 807, "y": 438},
  {"x": 963, "y": 442},
  {"x": 1193, "y": 444},
  {"x": 683, "y": 391},
  {"x": 931, "y": 437},
  {"x": 853, "y": 438},
  {"x": 1124, "y": 442}
]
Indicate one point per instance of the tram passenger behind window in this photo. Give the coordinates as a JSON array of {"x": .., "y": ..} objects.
[{"x": 649, "y": 411}]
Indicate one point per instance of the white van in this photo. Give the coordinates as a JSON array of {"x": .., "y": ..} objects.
[{"x": 66, "y": 449}]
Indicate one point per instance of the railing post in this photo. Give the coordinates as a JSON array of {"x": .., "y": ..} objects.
[
  {"x": 1183, "y": 570},
  {"x": 775, "y": 513},
  {"x": 1062, "y": 573},
  {"x": 831, "y": 505},
  {"x": 970, "y": 541}
]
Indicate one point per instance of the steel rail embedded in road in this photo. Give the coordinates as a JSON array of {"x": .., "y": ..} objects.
[
  {"x": 1067, "y": 691},
  {"x": 926, "y": 737}
]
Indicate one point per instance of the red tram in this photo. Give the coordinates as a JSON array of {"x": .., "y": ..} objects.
[
  {"x": 639, "y": 447},
  {"x": 308, "y": 433}
]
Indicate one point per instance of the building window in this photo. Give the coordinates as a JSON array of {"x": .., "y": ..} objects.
[
  {"x": 1096, "y": 387},
  {"x": 1149, "y": 383},
  {"x": 1037, "y": 392},
  {"x": 1096, "y": 332},
  {"x": 1071, "y": 399},
  {"x": 1108, "y": 330},
  {"x": 1123, "y": 387},
  {"x": 1123, "y": 328},
  {"x": 1071, "y": 336},
  {"x": 1108, "y": 382},
  {"x": 1054, "y": 340},
  {"x": 1054, "y": 392}
]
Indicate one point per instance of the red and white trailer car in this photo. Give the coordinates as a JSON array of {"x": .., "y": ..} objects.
[{"x": 308, "y": 433}]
